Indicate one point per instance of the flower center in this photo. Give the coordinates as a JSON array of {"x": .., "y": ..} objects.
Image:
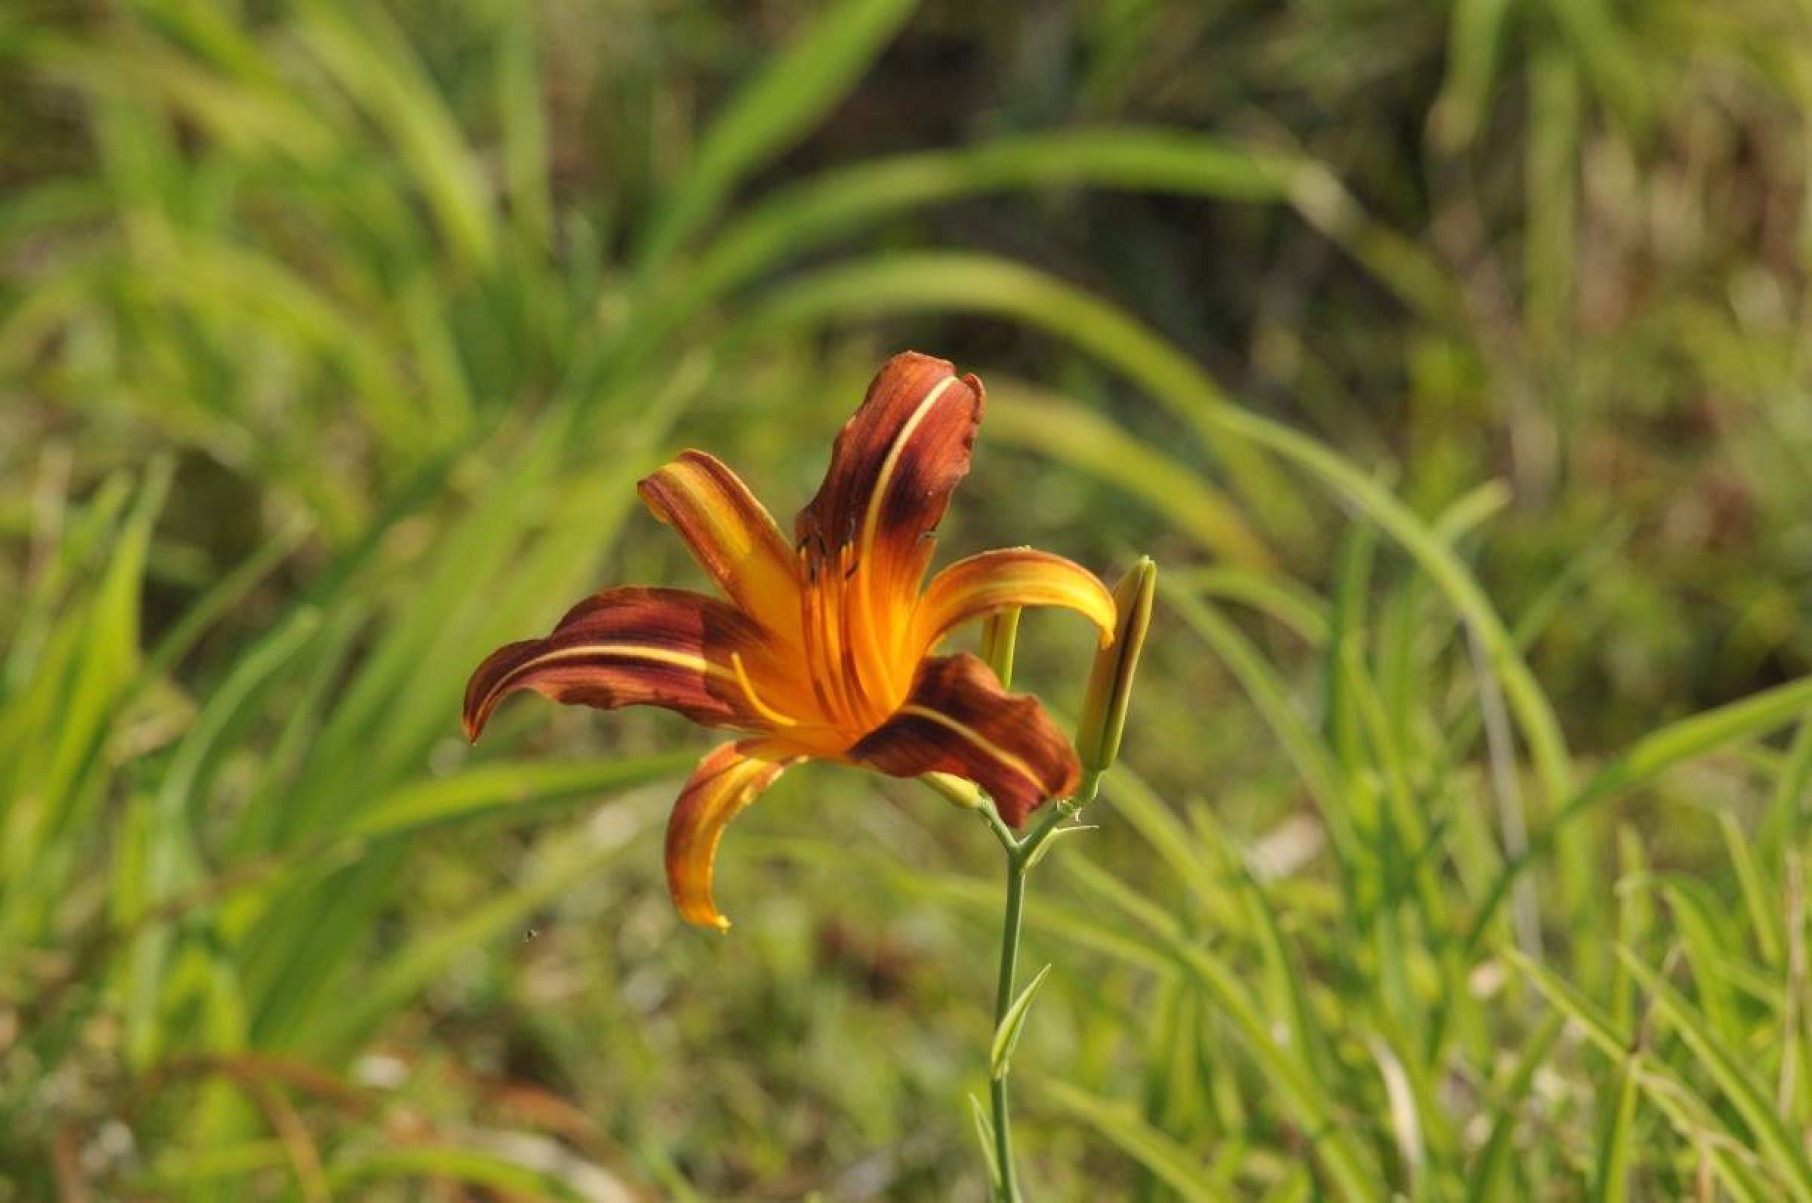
[{"x": 843, "y": 637}]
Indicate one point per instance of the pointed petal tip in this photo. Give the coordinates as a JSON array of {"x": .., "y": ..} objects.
[
  {"x": 706, "y": 917},
  {"x": 472, "y": 717}
]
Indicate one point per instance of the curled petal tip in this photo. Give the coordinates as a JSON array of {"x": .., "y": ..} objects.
[
  {"x": 1013, "y": 577},
  {"x": 729, "y": 778},
  {"x": 706, "y": 915}
]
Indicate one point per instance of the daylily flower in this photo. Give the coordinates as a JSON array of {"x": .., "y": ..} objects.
[{"x": 823, "y": 646}]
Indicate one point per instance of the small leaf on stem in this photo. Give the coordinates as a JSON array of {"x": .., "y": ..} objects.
[
  {"x": 1006, "y": 1036},
  {"x": 1057, "y": 833},
  {"x": 984, "y": 1132},
  {"x": 1000, "y": 636}
]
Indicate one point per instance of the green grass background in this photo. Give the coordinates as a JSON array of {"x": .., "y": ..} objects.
[{"x": 1451, "y": 357}]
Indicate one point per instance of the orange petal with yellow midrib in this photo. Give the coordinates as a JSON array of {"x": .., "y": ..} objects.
[
  {"x": 994, "y": 580},
  {"x": 727, "y": 780}
]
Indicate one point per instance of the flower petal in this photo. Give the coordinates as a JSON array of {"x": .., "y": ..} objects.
[
  {"x": 980, "y": 585},
  {"x": 959, "y": 720},
  {"x": 729, "y": 778},
  {"x": 730, "y": 534},
  {"x": 633, "y": 646},
  {"x": 893, "y": 468}
]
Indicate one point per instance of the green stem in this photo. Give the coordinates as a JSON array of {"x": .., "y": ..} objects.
[
  {"x": 1007, "y": 1190},
  {"x": 1021, "y": 852}
]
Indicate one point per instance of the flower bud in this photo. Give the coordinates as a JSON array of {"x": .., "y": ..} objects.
[
  {"x": 1110, "y": 681},
  {"x": 958, "y": 792},
  {"x": 1000, "y": 636}
]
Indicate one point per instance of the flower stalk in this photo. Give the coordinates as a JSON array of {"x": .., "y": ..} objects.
[
  {"x": 1000, "y": 638},
  {"x": 1022, "y": 853}
]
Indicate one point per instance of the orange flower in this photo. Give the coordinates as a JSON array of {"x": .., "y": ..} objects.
[{"x": 823, "y": 647}]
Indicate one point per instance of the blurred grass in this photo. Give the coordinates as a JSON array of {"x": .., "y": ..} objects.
[{"x": 1451, "y": 358}]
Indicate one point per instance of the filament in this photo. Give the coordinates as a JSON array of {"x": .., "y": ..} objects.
[{"x": 748, "y": 689}]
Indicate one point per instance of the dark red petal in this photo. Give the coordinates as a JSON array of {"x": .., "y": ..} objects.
[
  {"x": 893, "y": 468},
  {"x": 632, "y": 647},
  {"x": 959, "y": 720}
]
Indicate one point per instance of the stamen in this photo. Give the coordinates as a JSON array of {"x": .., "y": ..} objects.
[
  {"x": 858, "y": 665},
  {"x": 821, "y": 662},
  {"x": 836, "y": 645},
  {"x": 748, "y": 690}
]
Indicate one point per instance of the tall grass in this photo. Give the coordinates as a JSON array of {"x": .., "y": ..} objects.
[{"x": 1460, "y": 851}]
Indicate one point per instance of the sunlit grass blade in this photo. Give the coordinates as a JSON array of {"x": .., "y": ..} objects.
[
  {"x": 1759, "y": 897},
  {"x": 1493, "y": 1174},
  {"x": 169, "y": 823},
  {"x": 600, "y": 841},
  {"x": 1134, "y": 803},
  {"x": 1786, "y": 1156},
  {"x": 1705, "y": 935},
  {"x": 520, "y": 101},
  {"x": 1611, "y": 1169},
  {"x": 1071, "y": 434},
  {"x": 1652, "y": 755},
  {"x": 1177, "y": 1166},
  {"x": 773, "y": 110},
  {"x": 984, "y": 1132},
  {"x": 1297, "y": 1090},
  {"x": 839, "y": 201},
  {"x": 503, "y": 788},
  {"x": 1294, "y": 606},
  {"x": 226, "y": 593},
  {"x": 1474, "y": 42},
  {"x": 372, "y": 60},
  {"x": 1311, "y": 757},
  {"x": 489, "y": 1171}
]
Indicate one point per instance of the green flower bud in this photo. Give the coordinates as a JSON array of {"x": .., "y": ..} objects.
[
  {"x": 956, "y": 791},
  {"x": 1110, "y": 681},
  {"x": 1000, "y": 636}
]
